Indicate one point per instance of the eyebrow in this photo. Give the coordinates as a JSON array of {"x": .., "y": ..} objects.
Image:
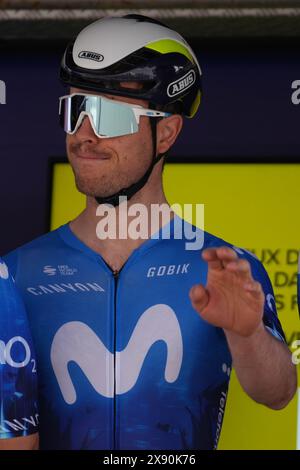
[{"x": 108, "y": 97}]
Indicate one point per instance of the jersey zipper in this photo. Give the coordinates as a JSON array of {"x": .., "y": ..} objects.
[{"x": 115, "y": 443}]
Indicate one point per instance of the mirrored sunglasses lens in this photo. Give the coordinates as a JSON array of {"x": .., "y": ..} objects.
[
  {"x": 117, "y": 119},
  {"x": 110, "y": 119}
]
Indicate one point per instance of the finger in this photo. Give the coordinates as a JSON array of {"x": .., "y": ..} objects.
[
  {"x": 226, "y": 255},
  {"x": 254, "y": 288},
  {"x": 242, "y": 268},
  {"x": 210, "y": 256},
  {"x": 199, "y": 297},
  {"x": 222, "y": 254}
]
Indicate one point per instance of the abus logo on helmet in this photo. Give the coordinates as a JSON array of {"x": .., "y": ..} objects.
[
  {"x": 91, "y": 56},
  {"x": 181, "y": 84}
]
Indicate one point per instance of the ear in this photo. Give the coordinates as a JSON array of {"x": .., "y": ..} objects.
[{"x": 167, "y": 132}]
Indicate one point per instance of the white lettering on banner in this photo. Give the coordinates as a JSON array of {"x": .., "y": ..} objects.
[{"x": 76, "y": 342}]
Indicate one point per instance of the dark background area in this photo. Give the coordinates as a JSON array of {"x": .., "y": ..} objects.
[{"x": 246, "y": 115}]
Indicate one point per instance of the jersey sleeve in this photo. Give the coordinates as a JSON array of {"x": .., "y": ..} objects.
[
  {"x": 18, "y": 374},
  {"x": 259, "y": 273}
]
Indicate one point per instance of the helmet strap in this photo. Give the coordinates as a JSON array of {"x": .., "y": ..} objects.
[{"x": 135, "y": 187}]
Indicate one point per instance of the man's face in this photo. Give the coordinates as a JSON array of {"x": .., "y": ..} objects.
[{"x": 103, "y": 166}]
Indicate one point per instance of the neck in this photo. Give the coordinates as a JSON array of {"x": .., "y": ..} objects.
[{"x": 115, "y": 232}]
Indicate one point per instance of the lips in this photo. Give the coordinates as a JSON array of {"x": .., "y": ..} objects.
[{"x": 102, "y": 156}]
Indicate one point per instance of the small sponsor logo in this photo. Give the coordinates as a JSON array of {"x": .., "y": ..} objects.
[
  {"x": 181, "y": 84},
  {"x": 220, "y": 416},
  {"x": 226, "y": 369},
  {"x": 91, "y": 56},
  {"x": 168, "y": 270},
  {"x": 65, "y": 270},
  {"x": 62, "y": 269},
  {"x": 178, "y": 67},
  {"x": 49, "y": 270}
]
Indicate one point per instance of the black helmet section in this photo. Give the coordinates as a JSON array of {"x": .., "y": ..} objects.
[{"x": 162, "y": 77}]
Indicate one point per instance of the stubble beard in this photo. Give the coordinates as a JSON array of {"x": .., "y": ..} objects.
[
  {"x": 98, "y": 186},
  {"x": 109, "y": 182}
]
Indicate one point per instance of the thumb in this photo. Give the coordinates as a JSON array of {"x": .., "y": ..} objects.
[{"x": 199, "y": 297}]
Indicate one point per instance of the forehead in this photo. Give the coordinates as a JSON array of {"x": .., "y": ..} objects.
[{"x": 112, "y": 97}]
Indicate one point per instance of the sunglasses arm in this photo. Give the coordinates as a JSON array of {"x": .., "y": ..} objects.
[{"x": 148, "y": 112}]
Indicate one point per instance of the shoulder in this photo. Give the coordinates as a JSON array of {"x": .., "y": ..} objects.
[
  {"x": 257, "y": 267},
  {"x": 42, "y": 243},
  {"x": 205, "y": 239}
]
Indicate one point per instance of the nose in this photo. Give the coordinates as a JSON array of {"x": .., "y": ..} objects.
[{"x": 85, "y": 131}]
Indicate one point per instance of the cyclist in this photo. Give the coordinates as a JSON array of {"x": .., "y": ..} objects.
[{"x": 136, "y": 336}]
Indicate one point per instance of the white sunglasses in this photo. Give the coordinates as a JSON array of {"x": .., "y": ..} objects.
[{"x": 108, "y": 118}]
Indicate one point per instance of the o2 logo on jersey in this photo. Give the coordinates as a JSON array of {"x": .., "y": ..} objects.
[
  {"x": 7, "y": 355},
  {"x": 77, "y": 342}
]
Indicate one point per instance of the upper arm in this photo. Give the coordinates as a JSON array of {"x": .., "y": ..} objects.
[{"x": 21, "y": 443}]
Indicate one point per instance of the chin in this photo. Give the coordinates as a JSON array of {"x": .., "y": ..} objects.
[{"x": 91, "y": 188}]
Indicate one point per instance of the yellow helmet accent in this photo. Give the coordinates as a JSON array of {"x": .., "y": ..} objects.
[{"x": 168, "y": 45}]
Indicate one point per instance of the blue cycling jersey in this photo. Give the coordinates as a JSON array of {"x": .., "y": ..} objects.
[
  {"x": 18, "y": 384},
  {"x": 125, "y": 362}
]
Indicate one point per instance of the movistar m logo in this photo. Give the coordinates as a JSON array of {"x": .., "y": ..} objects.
[
  {"x": 181, "y": 84},
  {"x": 49, "y": 270},
  {"x": 91, "y": 56},
  {"x": 76, "y": 342}
]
